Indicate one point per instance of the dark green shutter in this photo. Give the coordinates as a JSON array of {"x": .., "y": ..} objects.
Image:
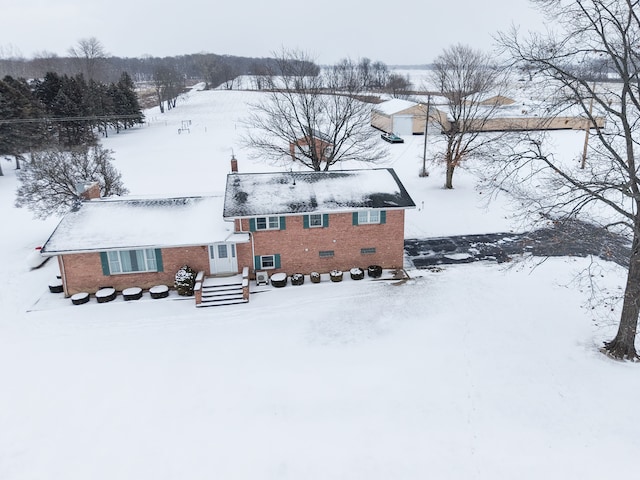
[
  {"x": 257, "y": 263},
  {"x": 104, "y": 259},
  {"x": 383, "y": 216},
  {"x": 252, "y": 224},
  {"x": 355, "y": 218},
  {"x": 325, "y": 220},
  {"x": 276, "y": 260},
  {"x": 305, "y": 221},
  {"x": 159, "y": 265},
  {"x": 283, "y": 223}
]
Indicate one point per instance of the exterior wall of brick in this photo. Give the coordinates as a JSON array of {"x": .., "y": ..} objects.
[
  {"x": 244, "y": 253},
  {"x": 92, "y": 191},
  {"x": 299, "y": 248},
  {"x": 320, "y": 146},
  {"x": 82, "y": 272}
]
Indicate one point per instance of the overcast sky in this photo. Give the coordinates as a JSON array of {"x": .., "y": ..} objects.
[{"x": 396, "y": 32}]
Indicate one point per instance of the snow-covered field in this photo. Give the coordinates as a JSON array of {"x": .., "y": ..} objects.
[{"x": 477, "y": 371}]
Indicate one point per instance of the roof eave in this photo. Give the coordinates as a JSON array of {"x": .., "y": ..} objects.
[{"x": 311, "y": 212}]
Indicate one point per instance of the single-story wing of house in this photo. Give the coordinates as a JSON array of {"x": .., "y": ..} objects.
[
  {"x": 293, "y": 222},
  {"x": 123, "y": 242}
]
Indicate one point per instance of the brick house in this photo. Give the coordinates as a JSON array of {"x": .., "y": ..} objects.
[
  {"x": 293, "y": 222},
  {"x": 313, "y": 140}
]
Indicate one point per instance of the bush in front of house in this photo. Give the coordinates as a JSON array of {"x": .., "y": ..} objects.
[
  {"x": 185, "y": 280},
  {"x": 335, "y": 275},
  {"x": 297, "y": 279},
  {"x": 315, "y": 277}
]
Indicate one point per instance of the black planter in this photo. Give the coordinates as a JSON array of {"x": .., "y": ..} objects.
[
  {"x": 374, "y": 271},
  {"x": 56, "y": 286},
  {"x": 279, "y": 281},
  {"x": 159, "y": 291},
  {"x": 134, "y": 293},
  {"x": 80, "y": 298},
  {"x": 105, "y": 295},
  {"x": 356, "y": 274}
]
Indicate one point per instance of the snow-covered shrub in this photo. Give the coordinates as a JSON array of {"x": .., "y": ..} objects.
[
  {"x": 335, "y": 275},
  {"x": 185, "y": 280},
  {"x": 297, "y": 279},
  {"x": 315, "y": 277}
]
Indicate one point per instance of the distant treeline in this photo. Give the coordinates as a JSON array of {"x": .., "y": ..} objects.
[{"x": 211, "y": 68}]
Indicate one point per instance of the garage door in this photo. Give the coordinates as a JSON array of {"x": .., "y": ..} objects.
[{"x": 403, "y": 124}]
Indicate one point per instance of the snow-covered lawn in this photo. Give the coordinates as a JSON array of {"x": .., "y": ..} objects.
[{"x": 476, "y": 371}]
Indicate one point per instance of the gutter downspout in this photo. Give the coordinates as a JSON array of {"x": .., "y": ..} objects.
[
  {"x": 253, "y": 247},
  {"x": 63, "y": 274}
]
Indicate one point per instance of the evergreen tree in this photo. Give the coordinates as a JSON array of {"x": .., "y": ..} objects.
[
  {"x": 20, "y": 130},
  {"x": 130, "y": 105}
]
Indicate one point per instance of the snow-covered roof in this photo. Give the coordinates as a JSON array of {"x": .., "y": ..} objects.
[
  {"x": 254, "y": 194},
  {"x": 125, "y": 222},
  {"x": 394, "y": 105}
]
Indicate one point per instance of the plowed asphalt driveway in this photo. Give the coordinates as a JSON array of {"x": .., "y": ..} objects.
[{"x": 572, "y": 238}]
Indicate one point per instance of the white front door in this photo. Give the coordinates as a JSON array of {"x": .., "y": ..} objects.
[{"x": 222, "y": 258}]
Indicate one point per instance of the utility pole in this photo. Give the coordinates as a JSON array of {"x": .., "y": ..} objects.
[
  {"x": 587, "y": 129},
  {"x": 424, "y": 172}
]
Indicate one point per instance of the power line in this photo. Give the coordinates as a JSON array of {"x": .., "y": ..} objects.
[{"x": 67, "y": 119}]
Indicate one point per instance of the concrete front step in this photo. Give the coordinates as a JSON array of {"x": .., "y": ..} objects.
[
  {"x": 218, "y": 302},
  {"x": 217, "y": 291},
  {"x": 221, "y": 295},
  {"x": 222, "y": 288},
  {"x": 219, "y": 281}
]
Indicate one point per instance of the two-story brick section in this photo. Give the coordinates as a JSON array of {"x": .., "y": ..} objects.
[
  {"x": 301, "y": 222},
  {"x": 293, "y": 222}
]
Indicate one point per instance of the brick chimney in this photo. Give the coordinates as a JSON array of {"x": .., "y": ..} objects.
[
  {"x": 88, "y": 191},
  {"x": 234, "y": 164}
]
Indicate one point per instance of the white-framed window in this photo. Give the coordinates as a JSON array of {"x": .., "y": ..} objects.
[
  {"x": 368, "y": 216},
  {"x": 267, "y": 261},
  {"x": 268, "y": 223},
  {"x": 316, "y": 220},
  {"x": 130, "y": 261}
]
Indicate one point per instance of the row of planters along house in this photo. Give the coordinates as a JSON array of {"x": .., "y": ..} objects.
[{"x": 292, "y": 222}]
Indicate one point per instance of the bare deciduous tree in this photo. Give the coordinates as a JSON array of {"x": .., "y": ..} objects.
[
  {"x": 380, "y": 75},
  {"x": 89, "y": 52},
  {"x": 168, "y": 85},
  {"x": 313, "y": 118},
  {"x": 465, "y": 77},
  {"x": 604, "y": 32},
  {"x": 49, "y": 181},
  {"x": 398, "y": 86}
]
